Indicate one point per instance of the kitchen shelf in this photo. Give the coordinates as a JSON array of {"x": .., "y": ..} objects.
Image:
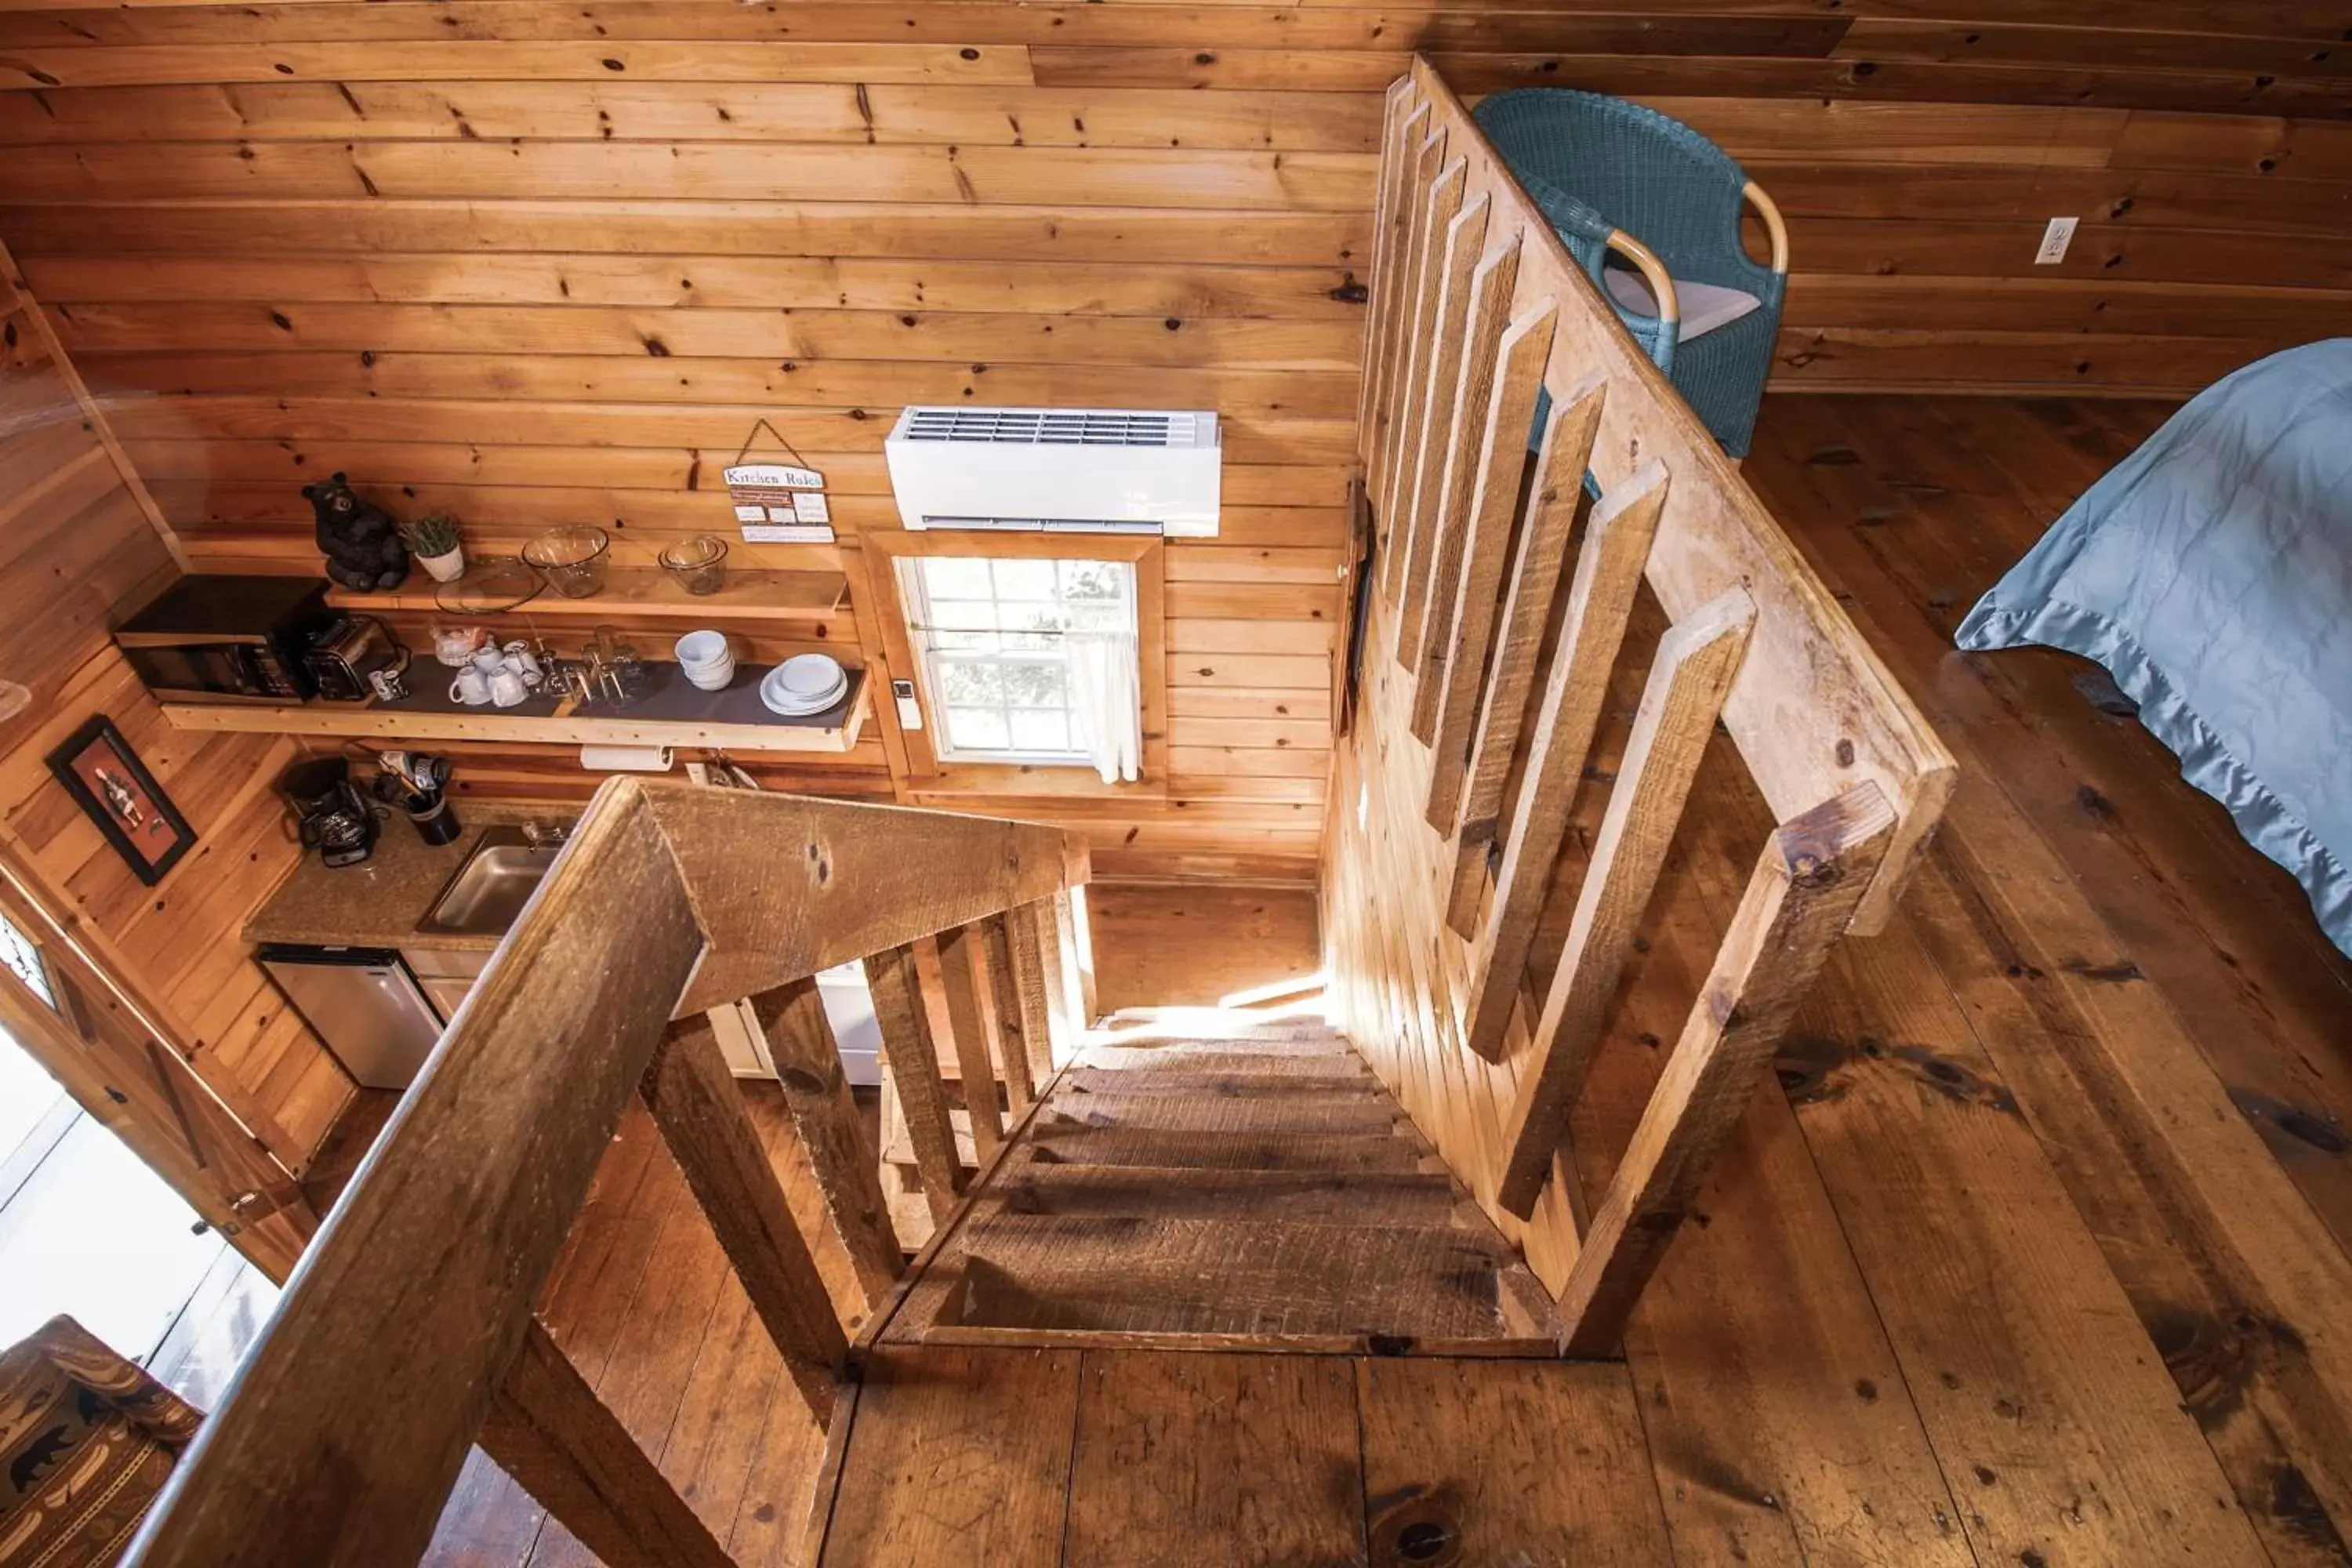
[
  {"x": 673, "y": 714},
  {"x": 751, "y": 594}
]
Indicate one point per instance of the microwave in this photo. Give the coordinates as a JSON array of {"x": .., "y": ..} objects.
[{"x": 227, "y": 640}]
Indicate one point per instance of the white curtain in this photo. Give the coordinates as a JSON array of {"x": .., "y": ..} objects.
[{"x": 1108, "y": 701}]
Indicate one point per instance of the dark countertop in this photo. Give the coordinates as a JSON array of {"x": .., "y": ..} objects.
[{"x": 378, "y": 902}]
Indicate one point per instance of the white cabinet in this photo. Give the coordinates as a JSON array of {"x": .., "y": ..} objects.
[{"x": 447, "y": 975}]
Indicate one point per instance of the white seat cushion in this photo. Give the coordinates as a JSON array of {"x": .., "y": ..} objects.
[{"x": 1705, "y": 306}]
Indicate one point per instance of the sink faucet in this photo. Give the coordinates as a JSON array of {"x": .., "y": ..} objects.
[{"x": 545, "y": 834}]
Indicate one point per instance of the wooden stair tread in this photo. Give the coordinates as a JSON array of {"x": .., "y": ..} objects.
[
  {"x": 1345, "y": 1067},
  {"x": 1181, "y": 1276},
  {"x": 1209, "y": 1025},
  {"x": 1367, "y": 1115},
  {"x": 1269, "y": 1044},
  {"x": 1289, "y": 1088},
  {"x": 1071, "y": 1142},
  {"x": 1264, "y": 1188},
  {"x": 1364, "y": 1197}
]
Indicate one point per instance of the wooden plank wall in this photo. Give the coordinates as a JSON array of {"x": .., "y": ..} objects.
[
  {"x": 77, "y": 547},
  {"x": 542, "y": 262}
]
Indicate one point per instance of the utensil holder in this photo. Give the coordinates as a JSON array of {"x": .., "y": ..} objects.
[{"x": 437, "y": 823}]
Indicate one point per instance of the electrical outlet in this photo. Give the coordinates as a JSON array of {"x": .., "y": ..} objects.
[{"x": 2054, "y": 241}]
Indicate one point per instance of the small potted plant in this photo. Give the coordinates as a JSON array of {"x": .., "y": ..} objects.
[{"x": 432, "y": 540}]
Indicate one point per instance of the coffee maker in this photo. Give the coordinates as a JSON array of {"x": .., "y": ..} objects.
[{"x": 329, "y": 813}]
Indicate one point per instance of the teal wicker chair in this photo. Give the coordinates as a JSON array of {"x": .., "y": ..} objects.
[{"x": 1604, "y": 170}]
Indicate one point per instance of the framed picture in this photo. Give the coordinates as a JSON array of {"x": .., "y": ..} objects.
[{"x": 101, "y": 771}]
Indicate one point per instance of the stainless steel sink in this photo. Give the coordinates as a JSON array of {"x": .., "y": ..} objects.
[{"x": 491, "y": 887}]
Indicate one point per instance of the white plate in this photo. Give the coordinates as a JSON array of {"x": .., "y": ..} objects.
[
  {"x": 791, "y": 702},
  {"x": 793, "y": 706},
  {"x": 804, "y": 675},
  {"x": 782, "y": 704}
]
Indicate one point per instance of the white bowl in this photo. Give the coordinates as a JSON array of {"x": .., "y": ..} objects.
[
  {"x": 711, "y": 678},
  {"x": 703, "y": 648}
]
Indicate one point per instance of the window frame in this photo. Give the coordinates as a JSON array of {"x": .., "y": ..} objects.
[{"x": 890, "y": 652}]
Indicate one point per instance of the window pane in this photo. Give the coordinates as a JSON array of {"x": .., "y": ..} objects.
[
  {"x": 1040, "y": 730},
  {"x": 17, "y": 952},
  {"x": 1025, "y": 580},
  {"x": 981, "y": 728},
  {"x": 1035, "y": 685},
  {"x": 945, "y": 642},
  {"x": 956, "y": 577},
  {"x": 1094, "y": 580},
  {"x": 962, "y": 615},
  {"x": 966, "y": 684}
]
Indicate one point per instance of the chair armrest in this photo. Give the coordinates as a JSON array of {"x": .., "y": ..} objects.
[
  {"x": 1774, "y": 224},
  {"x": 1653, "y": 272}
]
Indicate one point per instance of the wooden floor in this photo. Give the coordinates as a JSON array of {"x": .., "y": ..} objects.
[
  {"x": 1194, "y": 944},
  {"x": 1120, "y": 1460},
  {"x": 2034, "y": 1255},
  {"x": 2036, "y": 1252}
]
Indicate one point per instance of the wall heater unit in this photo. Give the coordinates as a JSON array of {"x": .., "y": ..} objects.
[{"x": 1058, "y": 471}]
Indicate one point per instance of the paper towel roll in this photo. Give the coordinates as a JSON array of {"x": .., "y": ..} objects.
[{"x": 627, "y": 759}]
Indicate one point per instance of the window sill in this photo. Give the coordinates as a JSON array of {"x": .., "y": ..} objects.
[{"x": 966, "y": 781}]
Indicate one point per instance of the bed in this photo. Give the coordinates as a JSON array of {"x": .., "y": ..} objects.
[{"x": 2211, "y": 572}]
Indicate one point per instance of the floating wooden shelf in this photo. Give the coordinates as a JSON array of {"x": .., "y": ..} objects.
[
  {"x": 753, "y": 593},
  {"x": 672, "y": 714}
]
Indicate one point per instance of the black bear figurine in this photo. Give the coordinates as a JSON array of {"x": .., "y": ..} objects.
[{"x": 359, "y": 539}]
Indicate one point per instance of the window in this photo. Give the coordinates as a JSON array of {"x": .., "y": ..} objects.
[
  {"x": 17, "y": 952},
  {"x": 990, "y": 634}
]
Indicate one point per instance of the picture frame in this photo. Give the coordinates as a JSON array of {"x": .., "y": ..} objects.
[{"x": 110, "y": 782}]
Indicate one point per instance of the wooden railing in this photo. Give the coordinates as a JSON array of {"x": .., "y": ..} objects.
[
  {"x": 407, "y": 1333},
  {"x": 1432, "y": 889}
]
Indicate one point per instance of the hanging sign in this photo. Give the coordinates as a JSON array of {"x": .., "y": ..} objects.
[{"x": 778, "y": 503}]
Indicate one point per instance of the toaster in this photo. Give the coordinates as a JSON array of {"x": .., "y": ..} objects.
[{"x": 345, "y": 651}]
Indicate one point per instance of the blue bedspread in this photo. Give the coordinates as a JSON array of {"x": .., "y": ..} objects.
[{"x": 2211, "y": 572}]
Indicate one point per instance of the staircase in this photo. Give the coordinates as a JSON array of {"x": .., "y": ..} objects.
[
  {"x": 1216, "y": 1299},
  {"x": 1235, "y": 1181}
]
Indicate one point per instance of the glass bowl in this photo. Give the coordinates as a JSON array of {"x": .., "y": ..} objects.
[
  {"x": 698, "y": 564},
  {"x": 572, "y": 559}
]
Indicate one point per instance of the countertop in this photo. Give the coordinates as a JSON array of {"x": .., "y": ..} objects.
[{"x": 378, "y": 902}]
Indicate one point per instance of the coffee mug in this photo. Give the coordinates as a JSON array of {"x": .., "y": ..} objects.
[
  {"x": 490, "y": 659},
  {"x": 471, "y": 688},
  {"x": 507, "y": 688}
]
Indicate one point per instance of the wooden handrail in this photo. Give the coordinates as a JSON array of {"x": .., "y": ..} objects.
[
  {"x": 400, "y": 1331},
  {"x": 1437, "y": 877},
  {"x": 1814, "y": 710}
]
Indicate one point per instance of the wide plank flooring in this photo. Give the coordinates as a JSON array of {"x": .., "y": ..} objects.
[{"x": 1178, "y": 1458}]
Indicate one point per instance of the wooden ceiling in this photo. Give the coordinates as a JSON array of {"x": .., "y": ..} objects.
[{"x": 544, "y": 260}]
